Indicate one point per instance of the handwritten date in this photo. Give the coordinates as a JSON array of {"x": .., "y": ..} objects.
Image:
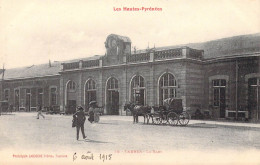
[{"x": 91, "y": 156}]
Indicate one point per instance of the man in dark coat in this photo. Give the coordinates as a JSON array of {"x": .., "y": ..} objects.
[{"x": 80, "y": 120}]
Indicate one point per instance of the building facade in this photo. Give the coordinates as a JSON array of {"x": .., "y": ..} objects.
[{"x": 221, "y": 78}]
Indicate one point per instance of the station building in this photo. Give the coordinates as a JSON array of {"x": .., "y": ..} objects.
[{"x": 220, "y": 78}]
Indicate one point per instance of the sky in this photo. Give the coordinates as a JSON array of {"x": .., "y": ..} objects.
[{"x": 35, "y": 31}]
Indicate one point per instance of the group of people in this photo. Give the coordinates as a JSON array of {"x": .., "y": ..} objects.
[{"x": 79, "y": 118}]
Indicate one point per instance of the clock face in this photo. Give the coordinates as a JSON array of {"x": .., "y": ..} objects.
[{"x": 113, "y": 43}]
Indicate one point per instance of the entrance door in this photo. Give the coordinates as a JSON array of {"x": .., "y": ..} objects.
[
  {"x": 71, "y": 106},
  {"x": 222, "y": 101},
  {"x": 90, "y": 96},
  {"x": 16, "y": 99},
  {"x": 113, "y": 102},
  {"x": 219, "y": 96},
  {"x": 28, "y": 100},
  {"x": 139, "y": 96},
  {"x": 254, "y": 98}
]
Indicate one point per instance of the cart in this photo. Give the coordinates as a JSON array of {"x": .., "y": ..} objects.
[{"x": 171, "y": 113}]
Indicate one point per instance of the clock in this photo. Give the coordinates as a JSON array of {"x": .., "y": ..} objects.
[{"x": 113, "y": 43}]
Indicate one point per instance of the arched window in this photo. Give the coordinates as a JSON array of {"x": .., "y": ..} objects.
[
  {"x": 91, "y": 85},
  {"x": 167, "y": 87},
  {"x": 90, "y": 92},
  {"x": 71, "y": 86},
  {"x": 53, "y": 95},
  {"x": 112, "y": 97},
  {"x": 112, "y": 83},
  {"x": 138, "y": 90}
]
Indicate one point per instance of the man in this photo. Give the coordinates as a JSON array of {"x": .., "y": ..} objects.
[
  {"x": 167, "y": 103},
  {"x": 39, "y": 109},
  {"x": 10, "y": 108},
  {"x": 80, "y": 120}
]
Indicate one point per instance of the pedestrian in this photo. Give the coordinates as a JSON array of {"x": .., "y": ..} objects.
[
  {"x": 10, "y": 108},
  {"x": 96, "y": 114},
  {"x": 80, "y": 120},
  {"x": 91, "y": 113},
  {"x": 39, "y": 109}
]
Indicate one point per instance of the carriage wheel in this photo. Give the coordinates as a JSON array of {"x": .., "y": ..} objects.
[
  {"x": 172, "y": 118},
  {"x": 184, "y": 118},
  {"x": 157, "y": 120}
]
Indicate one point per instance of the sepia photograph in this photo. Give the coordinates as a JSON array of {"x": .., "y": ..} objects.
[{"x": 130, "y": 82}]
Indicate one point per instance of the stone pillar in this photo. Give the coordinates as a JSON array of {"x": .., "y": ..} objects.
[
  {"x": 151, "y": 88},
  {"x": 62, "y": 94},
  {"x": 123, "y": 93},
  {"x": 184, "y": 103},
  {"x": 79, "y": 99},
  {"x": 100, "y": 91}
]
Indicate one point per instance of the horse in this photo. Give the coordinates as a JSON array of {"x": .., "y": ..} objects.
[{"x": 138, "y": 110}]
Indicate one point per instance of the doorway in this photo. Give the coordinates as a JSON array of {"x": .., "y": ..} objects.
[
  {"x": 112, "y": 97},
  {"x": 28, "y": 100},
  {"x": 219, "y": 96},
  {"x": 254, "y": 98},
  {"x": 71, "y": 107},
  {"x": 113, "y": 102}
]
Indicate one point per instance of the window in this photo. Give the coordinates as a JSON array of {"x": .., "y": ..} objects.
[
  {"x": 167, "y": 87},
  {"x": 53, "y": 96},
  {"x": 71, "y": 86},
  {"x": 6, "y": 94},
  {"x": 40, "y": 96},
  {"x": 112, "y": 95},
  {"x": 138, "y": 90},
  {"x": 253, "y": 94},
  {"x": 112, "y": 83},
  {"x": 90, "y": 92},
  {"x": 219, "y": 86},
  {"x": 16, "y": 98},
  {"x": 91, "y": 85}
]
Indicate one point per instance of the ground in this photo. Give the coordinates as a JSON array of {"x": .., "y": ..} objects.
[{"x": 22, "y": 133}]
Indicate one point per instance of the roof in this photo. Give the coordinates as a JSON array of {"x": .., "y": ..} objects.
[
  {"x": 95, "y": 57},
  {"x": 226, "y": 47},
  {"x": 32, "y": 71},
  {"x": 237, "y": 45},
  {"x": 40, "y": 70}
]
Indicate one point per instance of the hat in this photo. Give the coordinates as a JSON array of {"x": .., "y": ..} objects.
[{"x": 79, "y": 108}]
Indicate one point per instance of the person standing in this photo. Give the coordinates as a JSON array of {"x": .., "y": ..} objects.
[
  {"x": 91, "y": 113},
  {"x": 96, "y": 114},
  {"x": 39, "y": 109},
  {"x": 10, "y": 108},
  {"x": 80, "y": 120}
]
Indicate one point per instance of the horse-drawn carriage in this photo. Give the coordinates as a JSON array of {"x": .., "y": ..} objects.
[{"x": 170, "y": 113}]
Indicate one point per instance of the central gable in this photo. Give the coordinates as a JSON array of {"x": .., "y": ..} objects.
[{"x": 117, "y": 48}]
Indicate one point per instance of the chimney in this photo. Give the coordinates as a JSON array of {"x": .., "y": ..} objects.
[{"x": 49, "y": 63}]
